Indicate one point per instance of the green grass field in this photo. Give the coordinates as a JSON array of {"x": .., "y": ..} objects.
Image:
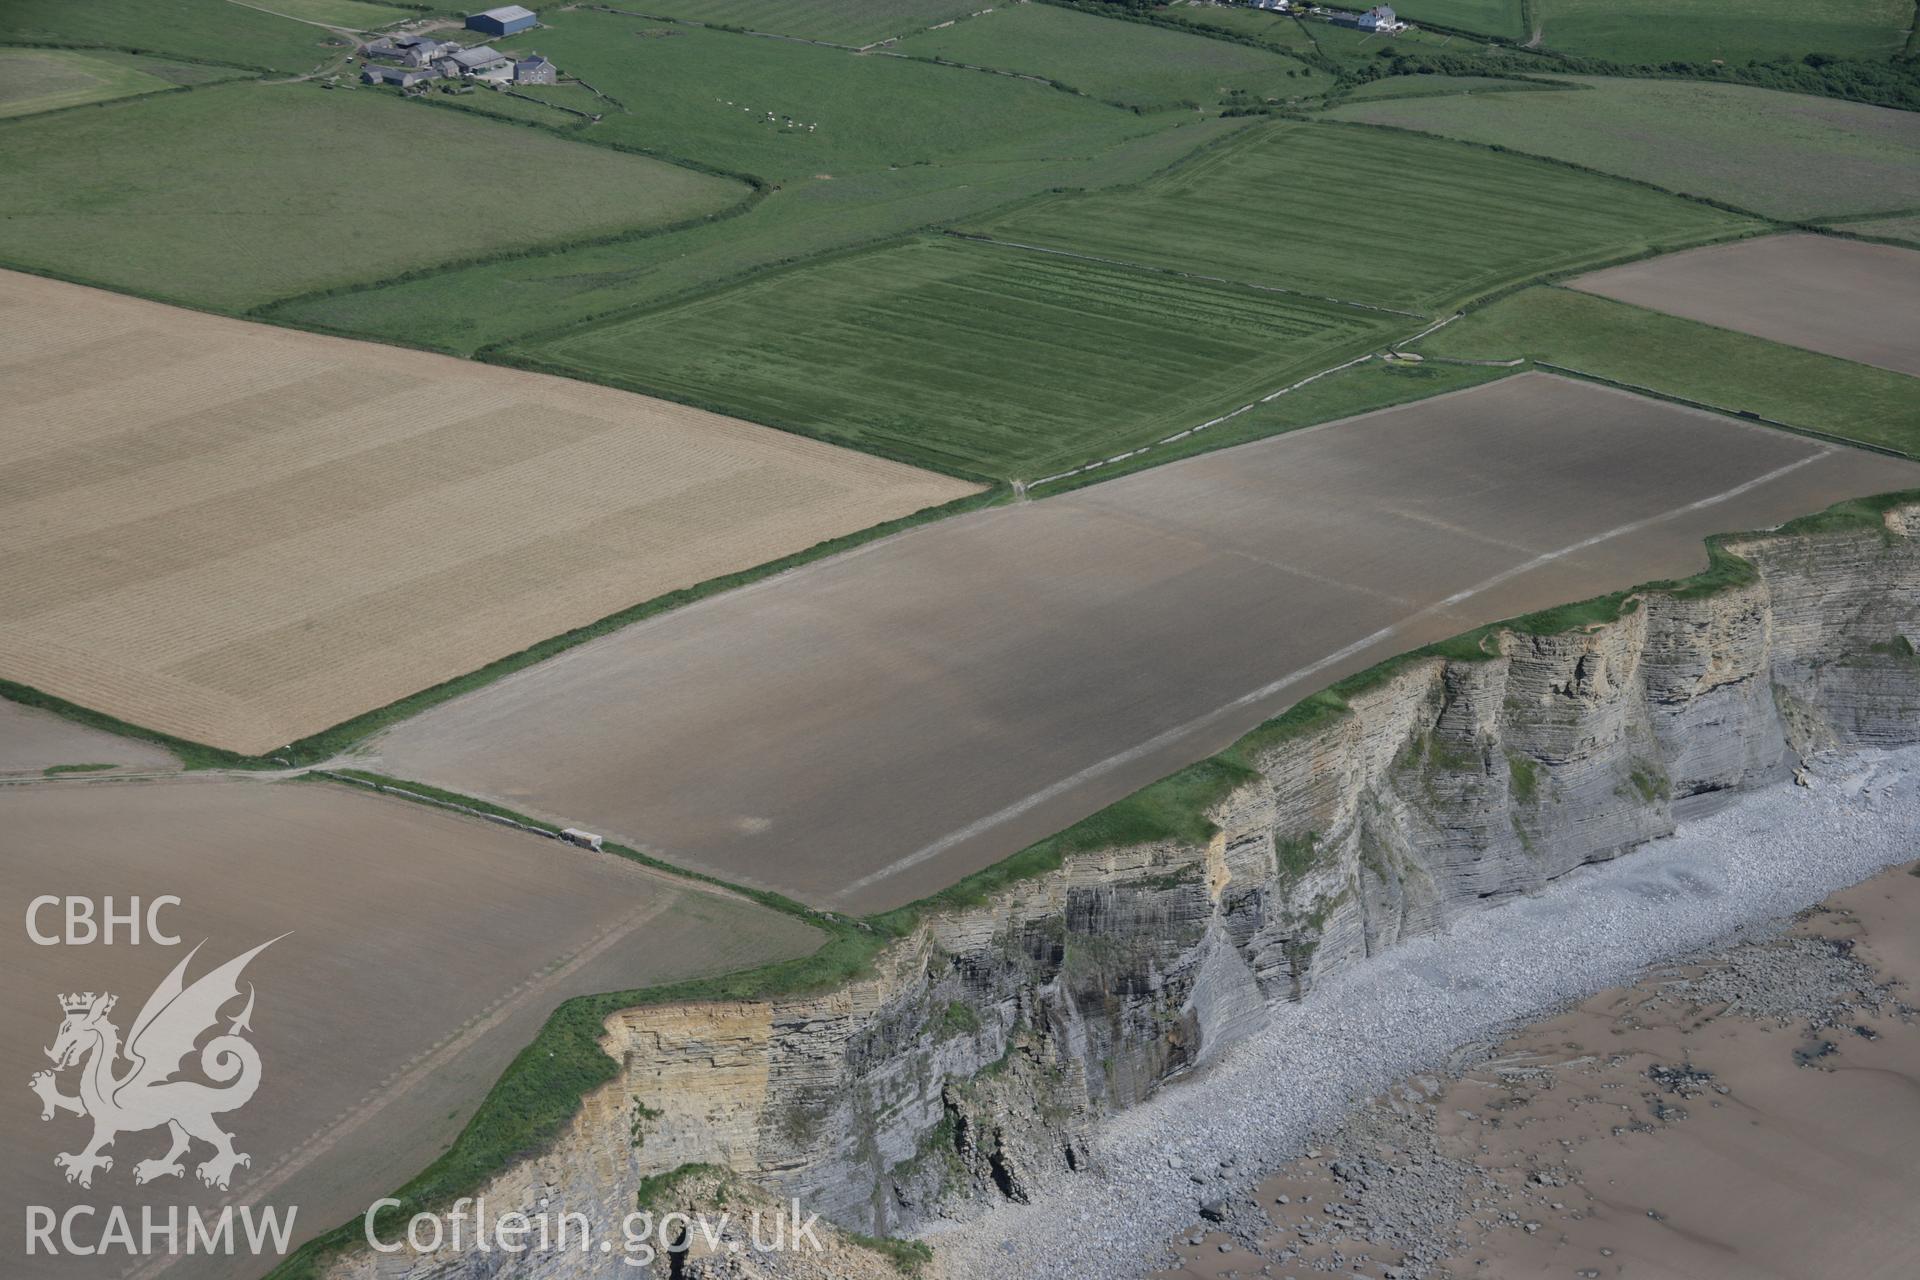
[
  {"x": 687, "y": 92},
  {"x": 1490, "y": 17},
  {"x": 236, "y": 194},
  {"x": 1433, "y": 86},
  {"x": 210, "y": 29},
  {"x": 991, "y": 360},
  {"x": 1123, "y": 62},
  {"x": 36, "y": 80},
  {"x": 1655, "y": 31},
  {"x": 1383, "y": 218},
  {"x": 476, "y": 306},
  {"x": 1684, "y": 358},
  {"x": 1904, "y": 227},
  {"x": 358, "y": 15},
  {"x": 1781, "y": 154},
  {"x": 1273, "y": 28},
  {"x": 851, "y": 22}
]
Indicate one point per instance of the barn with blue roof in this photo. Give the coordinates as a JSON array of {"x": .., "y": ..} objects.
[{"x": 504, "y": 21}]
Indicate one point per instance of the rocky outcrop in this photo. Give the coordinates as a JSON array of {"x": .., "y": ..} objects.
[{"x": 972, "y": 1062}]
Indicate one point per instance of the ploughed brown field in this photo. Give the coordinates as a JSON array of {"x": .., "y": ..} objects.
[
  {"x": 928, "y": 705},
  {"x": 424, "y": 950},
  {"x": 1847, "y": 298},
  {"x": 32, "y": 741},
  {"x": 242, "y": 535}
]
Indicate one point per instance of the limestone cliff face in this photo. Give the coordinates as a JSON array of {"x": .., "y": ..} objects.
[{"x": 972, "y": 1063}]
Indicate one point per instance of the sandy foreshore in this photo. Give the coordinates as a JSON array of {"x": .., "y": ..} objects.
[
  {"x": 1750, "y": 1112},
  {"x": 1209, "y": 1145}
]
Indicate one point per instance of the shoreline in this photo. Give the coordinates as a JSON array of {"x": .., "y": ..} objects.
[{"x": 1435, "y": 1002}]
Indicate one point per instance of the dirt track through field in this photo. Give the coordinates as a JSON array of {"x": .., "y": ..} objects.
[
  {"x": 426, "y": 951},
  {"x": 925, "y": 706},
  {"x": 1846, "y": 298},
  {"x": 242, "y": 535}
]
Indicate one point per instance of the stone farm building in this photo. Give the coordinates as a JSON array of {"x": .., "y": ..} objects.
[
  {"x": 504, "y": 21},
  {"x": 483, "y": 63},
  {"x": 405, "y": 61},
  {"x": 402, "y": 77},
  {"x": 407, "y": 50}
]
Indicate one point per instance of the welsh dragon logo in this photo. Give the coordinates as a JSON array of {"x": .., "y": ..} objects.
[{"x": 145, "y": 1094}]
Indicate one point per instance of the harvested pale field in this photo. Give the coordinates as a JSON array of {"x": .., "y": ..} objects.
[
  {"x": 426, "y": 950},
  {"x": 1846, "y": 298},
  {"x": 928, "y": 705},
  {"x": 33, "y": 741},
  {"x": 241, "y": 535}
]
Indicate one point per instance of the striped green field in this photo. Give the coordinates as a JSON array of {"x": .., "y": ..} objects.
[
  {"x": 983, "y": 359},
  {"x": 1378, "y": 217}
]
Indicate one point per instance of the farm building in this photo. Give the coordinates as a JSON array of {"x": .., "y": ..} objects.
[
  {"x": 407, "y": 50},
  {"x": 535, "y": 70},
  {"x": 504, "y": 21},
  {"x": 1276, "y": 6},
  {"x": 481, "y": 61},
  {"x": 404, "y": 77}
]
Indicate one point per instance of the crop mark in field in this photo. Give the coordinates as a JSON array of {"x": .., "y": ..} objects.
[{"x": 1174, "y": 735}]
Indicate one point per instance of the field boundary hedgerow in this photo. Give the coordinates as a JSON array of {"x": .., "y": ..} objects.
[{"x": 541, "y": 1090}]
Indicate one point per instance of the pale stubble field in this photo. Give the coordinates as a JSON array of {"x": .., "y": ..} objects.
[{"x": 242, "y": 535}]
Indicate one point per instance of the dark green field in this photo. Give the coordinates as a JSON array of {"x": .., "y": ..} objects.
[
  {"x": 1124, "y": 62},
  {"x": 1653, "y": 31},
  {"x": 1489, "y": 17},
  {"x": 785, "y": 111},
  {"x": 849, "y": 22},
  {"x": 1785, "y": 155},
  {"x": 213, "y": 30},
  {"x": 1733, "y": 371},
  {"x": 1381, "y": 218},
  {"x": 237, "y": 194},
  {"x": 995, "y": 361}
]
